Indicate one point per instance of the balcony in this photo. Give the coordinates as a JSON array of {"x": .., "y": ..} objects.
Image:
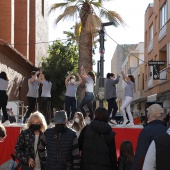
[
  {"x": 162, "y": 32},
  {"x": 150, "y": 46}
]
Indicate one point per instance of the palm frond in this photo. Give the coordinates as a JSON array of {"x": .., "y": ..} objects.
[
  {"x": 69, "y": 12},
  {"x": 93, "y": 23},
  {"x": 112, "y": 16},
  {"x": 57, "y": 5},
  {"x": 96, "y": 4}
]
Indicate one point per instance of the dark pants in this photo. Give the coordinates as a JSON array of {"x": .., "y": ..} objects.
[
  {"x": 88, "y": 99},
  {"x": 112, "y": 105},
  {"x": 31, "y": 107},
  {"x": 3, "y": 103},
  {"x": 70, "y": 105},
  {"x": 45, "y": 108}
]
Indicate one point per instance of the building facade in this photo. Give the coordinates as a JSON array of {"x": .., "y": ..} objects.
[
  {"x": 23, "y": 28},
  {"x": 157, "y": 48}
]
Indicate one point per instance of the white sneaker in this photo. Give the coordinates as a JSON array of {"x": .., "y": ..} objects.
[
  {"x": 124, "y": 122},
  {"x": 130, "y": 124},
  {"x": 113, "y": 121},
  {"x": 7, "y": 122}
]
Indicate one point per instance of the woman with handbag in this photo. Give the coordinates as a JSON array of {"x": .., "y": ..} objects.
[{"x": 30, "y": 147}]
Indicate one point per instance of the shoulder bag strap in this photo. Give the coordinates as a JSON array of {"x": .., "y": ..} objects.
[{"x": 60, "y": 149}]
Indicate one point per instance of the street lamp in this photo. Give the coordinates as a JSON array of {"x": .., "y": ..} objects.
[{"x": 101, "y": 65}]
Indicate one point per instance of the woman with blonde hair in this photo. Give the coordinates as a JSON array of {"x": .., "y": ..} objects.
[
  {"x": 78, "y": 123},
  {"x": 30, "y": 147}
]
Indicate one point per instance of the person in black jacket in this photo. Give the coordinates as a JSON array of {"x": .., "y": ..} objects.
[
  {"x": 154, "y": 128},
  {"x": 97, "y": 144},
  {"x": 30, "y": 148},
  {"x": 158, "y": 154},
  {"x": 62, "y": 145}
]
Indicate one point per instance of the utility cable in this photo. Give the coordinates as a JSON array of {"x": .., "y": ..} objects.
[{"x": 128, "y": 51}]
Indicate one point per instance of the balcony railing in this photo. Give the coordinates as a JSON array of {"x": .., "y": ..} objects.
[
  {"x": 150, "y": 46},
  {"x": 162, "y": 32}
]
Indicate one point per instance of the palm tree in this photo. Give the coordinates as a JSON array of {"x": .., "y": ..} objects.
[{"x": 88, "y": 14}]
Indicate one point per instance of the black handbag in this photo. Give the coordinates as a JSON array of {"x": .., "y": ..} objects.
[{"x": 68, "y": 165}]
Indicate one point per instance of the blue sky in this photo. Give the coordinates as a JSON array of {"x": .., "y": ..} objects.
[{"x": 132, "y": 12}]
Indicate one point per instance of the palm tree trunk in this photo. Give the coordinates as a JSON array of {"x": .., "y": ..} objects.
[{"x": 85, "y": 49}]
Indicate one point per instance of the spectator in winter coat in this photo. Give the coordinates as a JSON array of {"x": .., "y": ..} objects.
[
  {"x": 154, "y": 128},
  {"x": 158, "y": 154},
  {"x": 97, "y": 143},
  {"x": 62, "y": 145},
  {"x": 30, "y": 147}
]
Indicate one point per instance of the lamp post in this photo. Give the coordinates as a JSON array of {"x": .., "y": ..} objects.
[{"x": 101, "y": 68}]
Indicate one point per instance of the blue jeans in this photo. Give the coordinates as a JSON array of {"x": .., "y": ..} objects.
[
  {"x": 88, "y": 99},
  {"x": 70, "y": 105}
]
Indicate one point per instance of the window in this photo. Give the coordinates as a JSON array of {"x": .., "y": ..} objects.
[
  {"x": 150, "y": 70},
  {"x": 151, "y": 33},
  {"x": 146, "y": 39},
  {"x": 156, "y": 24},
  {"x": 146, "y": 72},
  {"x": 142, "y": 81},
  {"x": 163, "y": 15},
  {"x": 42, "y": 7},
  {"x": 138, "y": 82}
]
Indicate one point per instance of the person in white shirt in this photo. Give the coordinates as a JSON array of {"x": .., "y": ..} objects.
[
  {"x": 89, "y": 96},
  {"x": 70, "y": 96},
  {"x": 4, "y": 81},
  {"x": 32, "y": 95},
  {"x": 128, "y": 99},
  {"x": 45, "y": 103}
]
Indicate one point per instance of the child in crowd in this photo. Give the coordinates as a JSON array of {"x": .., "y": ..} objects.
[
  {"x": 87, "y": 118},
  {"x": 78, "y": 123},
  {"x": 126, "y": 156}
]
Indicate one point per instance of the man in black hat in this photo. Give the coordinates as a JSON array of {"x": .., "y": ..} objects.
[{"x": 62, "y": 145}]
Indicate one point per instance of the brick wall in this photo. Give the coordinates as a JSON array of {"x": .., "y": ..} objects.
[{"x": 5, "y": 20}]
